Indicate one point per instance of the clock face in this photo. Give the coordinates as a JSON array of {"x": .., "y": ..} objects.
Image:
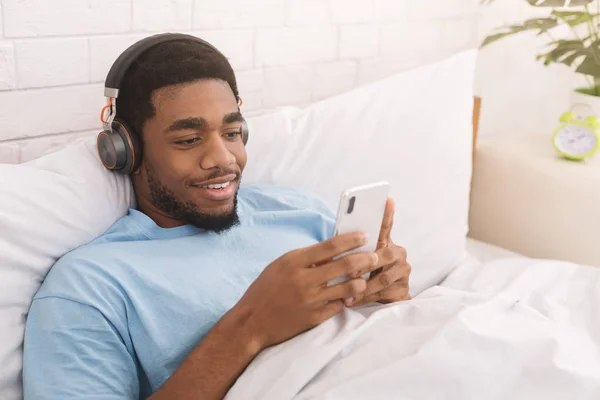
[{"x": 576, "y": 140}]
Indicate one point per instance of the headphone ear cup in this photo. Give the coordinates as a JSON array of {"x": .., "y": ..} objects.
[
  {"x": 245, "y": 132},
  {"x": 111, "y": 150},
  {"x": 132, "y": 144}
]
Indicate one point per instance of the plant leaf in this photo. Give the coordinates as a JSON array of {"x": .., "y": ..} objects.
[
  {"x": 591, "y": 63},
  {"x": 563, "y": 50},
  {"x": 541, "y": 24},
  {"x": 558, "y": 3},
  {"x": 550, "y": 3},
  {"x": 574, "y": 18},
  {"x": 589, "y": 66},
  {"x": 568, "y": 61}
]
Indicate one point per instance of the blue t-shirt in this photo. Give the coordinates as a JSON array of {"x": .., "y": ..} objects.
[{"x": 115, "y": 318}]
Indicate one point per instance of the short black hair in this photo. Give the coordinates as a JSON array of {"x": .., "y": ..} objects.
[{"x": 167, "y": 64}]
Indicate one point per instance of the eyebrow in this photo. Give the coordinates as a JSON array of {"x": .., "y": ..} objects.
[
  {"x": 232, "y": 117},
  {"x": 198, "y": 123}
]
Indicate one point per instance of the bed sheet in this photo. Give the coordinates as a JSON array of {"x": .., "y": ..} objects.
[{"x": 510, "y": 328}]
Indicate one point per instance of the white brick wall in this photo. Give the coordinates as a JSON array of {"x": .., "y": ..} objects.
[
  {"x": 7, "y": 67},
  {"x": 35, "y": 112},
  {"x": 333, "y": 78},
  {"x": 285, "y": 46},
  {"x": 38, "y": 18},
  {"x": 307, "y": 12},
  {"x": 236, "y": 44},
  {"x": 359, "y": 41},
  {"x": 1, "y": 27},
  {"x": 51, "y": 62},
  {"x": 159, "y": 15},
  {"x": 54, "y": 55},
  {"x": 211, "y": 14}
]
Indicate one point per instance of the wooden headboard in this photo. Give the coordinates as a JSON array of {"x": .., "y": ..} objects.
[{"x": 476, "y": 118}]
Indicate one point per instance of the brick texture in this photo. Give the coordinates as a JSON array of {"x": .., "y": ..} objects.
[
  {"x": 159, "y": 15},
  {"x": 54, "y": 55},
  {"x": 7, "y": 67},
  {"x": 285, "y": 46},
  {"x": 359, "y": 41},
  {"x": 65, "y": 17},
  {"x": 39, "y": 65},
  {"x": 1, "y": 23},
  {"x": 50, "y": 110}
]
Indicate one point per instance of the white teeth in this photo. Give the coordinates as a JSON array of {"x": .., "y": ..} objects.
[{"x": 217, "y": 185}]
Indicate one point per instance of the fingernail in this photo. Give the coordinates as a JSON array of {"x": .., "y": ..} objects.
[
  {"x": 365, "y": 237},
  {"x": 348, "y": 301},
  {"x": 375, "y": 259}
]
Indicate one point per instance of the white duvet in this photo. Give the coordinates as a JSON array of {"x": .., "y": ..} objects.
[{"x": 508, "y": 329}]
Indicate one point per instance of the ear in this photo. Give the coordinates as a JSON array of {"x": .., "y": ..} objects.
[
  {"x": 566, "y": 117},
  {"x": 138, "y": 170}
]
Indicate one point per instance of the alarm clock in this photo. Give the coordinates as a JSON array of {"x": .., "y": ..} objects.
[{"x": 577, "y": 138}]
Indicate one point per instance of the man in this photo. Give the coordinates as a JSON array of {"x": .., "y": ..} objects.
[{"x": 178, "y": 297}]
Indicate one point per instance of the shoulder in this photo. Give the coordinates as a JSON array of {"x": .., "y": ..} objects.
[
  {"x": 86, "y": 274},
  {"x": 126, "y": 229},
  {"x": 263, "y": 197}
]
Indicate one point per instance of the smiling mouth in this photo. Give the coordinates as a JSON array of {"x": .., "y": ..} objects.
[
  {"x": 218, "y": 191},
  {"x": 215, "y": 186}
]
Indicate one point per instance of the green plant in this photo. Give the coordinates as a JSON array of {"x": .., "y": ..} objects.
[{"x": 580, "y": 50}]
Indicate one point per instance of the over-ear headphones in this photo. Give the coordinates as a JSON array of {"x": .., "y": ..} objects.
[{"x": 119, "y": 147}]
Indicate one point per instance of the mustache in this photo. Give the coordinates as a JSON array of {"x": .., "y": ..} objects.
[{"x": 218, "y": 173}]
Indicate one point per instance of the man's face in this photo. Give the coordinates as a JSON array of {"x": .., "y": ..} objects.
[{"x": 193, "y": 156}]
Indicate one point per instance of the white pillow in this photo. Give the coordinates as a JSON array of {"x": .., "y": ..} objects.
[
  {"x": 413, "y": 129},
  {"x": 47, "y": 208}
]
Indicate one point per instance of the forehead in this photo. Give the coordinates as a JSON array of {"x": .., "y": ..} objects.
[{"x": 203, "y": 98}]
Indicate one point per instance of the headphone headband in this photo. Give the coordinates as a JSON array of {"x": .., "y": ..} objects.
[
  {"x": 119, "y": 68},
  {"x": 119, "y": 147}
]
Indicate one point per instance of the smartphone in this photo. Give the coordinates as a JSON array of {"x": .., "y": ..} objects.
[{"x": 362, "y": 209}]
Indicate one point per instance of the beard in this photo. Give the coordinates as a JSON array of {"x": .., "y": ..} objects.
[{"x": 165, "y": 200}]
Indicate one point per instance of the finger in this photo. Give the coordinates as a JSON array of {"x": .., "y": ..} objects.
[
  {"x": 353, "y": 288},
  {"x": 328, "y": 311},
  {"x": 386, "y": 278},
  {"x": 353, "y": 265},
  {"x": 399, "y": 291},
  {"x": 391, "y": 255},
  {"x": 396, "y": 292},
  {"x": 326, "y": 250},
  {"x": 386, "y": 226}
]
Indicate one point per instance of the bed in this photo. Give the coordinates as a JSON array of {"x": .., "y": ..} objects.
[
  {"x": 484, "y": 322},
  {"x": 500, "y": 326}
]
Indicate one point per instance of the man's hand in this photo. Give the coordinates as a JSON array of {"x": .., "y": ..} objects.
[
  {"x": 390, "y": 282},
  {"x": 291, "y": 295}
]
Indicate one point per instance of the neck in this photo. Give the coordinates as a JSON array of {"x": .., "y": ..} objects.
[{"x": 158, "y": 216}]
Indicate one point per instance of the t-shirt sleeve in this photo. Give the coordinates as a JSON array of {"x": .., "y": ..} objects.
[
  {"x": 328, "y": 216},
  {"x": 72, "y": 351}
]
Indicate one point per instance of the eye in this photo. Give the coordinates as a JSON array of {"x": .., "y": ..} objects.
[
  {"x": 233, "y": 134},
  {"x": 187, "y": 141}
]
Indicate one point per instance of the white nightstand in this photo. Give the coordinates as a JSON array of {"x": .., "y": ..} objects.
[{"x": 527, "y": 199}]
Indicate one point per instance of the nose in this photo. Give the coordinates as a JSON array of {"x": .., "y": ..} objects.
[{"x": 216, "y": 154}]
